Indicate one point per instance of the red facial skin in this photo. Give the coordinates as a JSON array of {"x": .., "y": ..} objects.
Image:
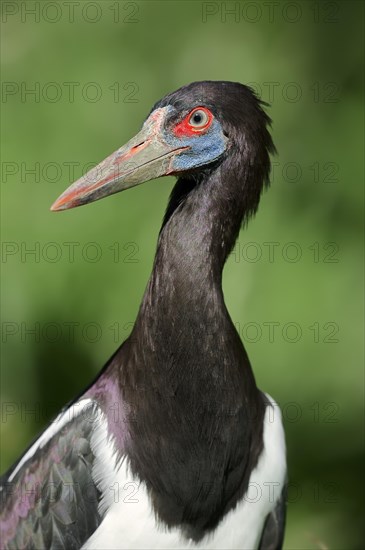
[{"x": 185, "y": 129}]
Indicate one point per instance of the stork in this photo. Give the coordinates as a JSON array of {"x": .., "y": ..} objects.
[{"x": 172, "y": 445}]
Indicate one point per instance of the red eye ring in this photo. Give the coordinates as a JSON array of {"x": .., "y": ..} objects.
[{"x": 186, "y": 128}]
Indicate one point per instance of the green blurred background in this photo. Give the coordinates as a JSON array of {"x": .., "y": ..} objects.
[{"x": 293, "y": 284}]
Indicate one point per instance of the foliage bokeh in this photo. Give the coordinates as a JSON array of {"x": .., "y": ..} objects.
[{"x": 310, "y": 276}]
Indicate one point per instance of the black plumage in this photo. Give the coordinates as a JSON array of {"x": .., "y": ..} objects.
[
  {"x": 187, "y": 347},
  {"x": 192, "y": 426}
]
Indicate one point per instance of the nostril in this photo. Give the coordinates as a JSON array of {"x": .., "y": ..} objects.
[{"x": 137, "y": 146}]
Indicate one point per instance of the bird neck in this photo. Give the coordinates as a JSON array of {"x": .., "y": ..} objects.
[
  {"x": 183, "y": 325},
  {"x": 194, "y": 413},
  {"x": 201, "y": 225}
]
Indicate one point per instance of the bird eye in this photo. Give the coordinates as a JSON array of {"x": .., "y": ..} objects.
[
  {"x": 196, "y": 122},
  {"x": 199, "y": 118}
]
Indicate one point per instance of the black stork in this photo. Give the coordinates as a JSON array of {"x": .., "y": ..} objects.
[{"x": 173, "y": 445}]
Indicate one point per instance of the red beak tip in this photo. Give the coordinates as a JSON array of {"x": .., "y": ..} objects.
[{"x": 57, "y": 206}]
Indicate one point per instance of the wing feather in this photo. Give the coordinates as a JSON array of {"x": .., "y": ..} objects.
[
  {"x": 50, "y": 499},
  {"x": 273, "y": 533}
]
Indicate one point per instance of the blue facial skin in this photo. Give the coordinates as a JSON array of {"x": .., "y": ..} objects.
[{"x": 203, "y": 149}]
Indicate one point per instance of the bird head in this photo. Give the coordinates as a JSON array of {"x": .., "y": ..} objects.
[{"x": 191, "y": 128}]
